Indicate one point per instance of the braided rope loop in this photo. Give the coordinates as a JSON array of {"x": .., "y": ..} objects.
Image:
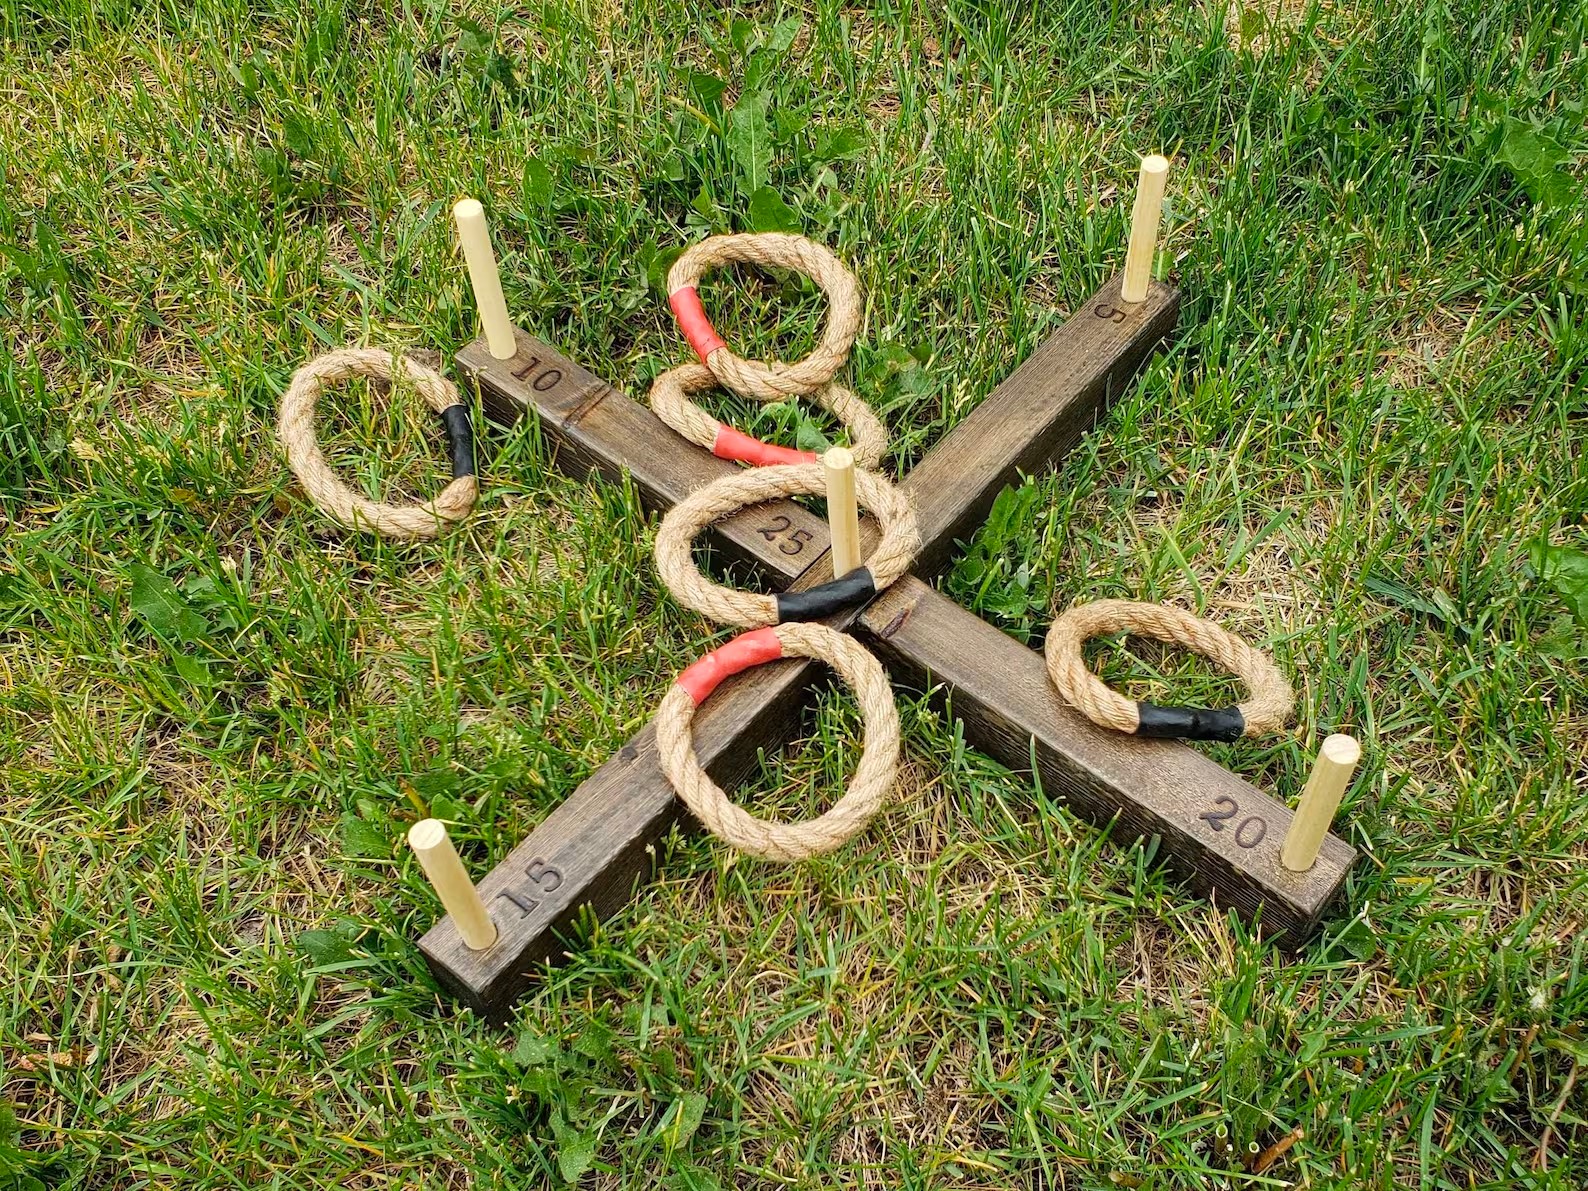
[
  {"x": 874, "y": 775},
  {"x": 755, "y": 378},
  {"x": 670, "y": 402},
  {"x": 295, "y": 426},
  {"x": 675, "y": 562},
  {"x": 1266, "y": 710}
]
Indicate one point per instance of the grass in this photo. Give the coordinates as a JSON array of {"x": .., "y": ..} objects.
[{"x": 218, "y": 714}]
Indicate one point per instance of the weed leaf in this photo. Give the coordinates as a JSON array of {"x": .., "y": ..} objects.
[
  {"x": 575, "y": 1149},
  {"x": 683, "y": 1118},
  {"x": 784, "y": 34},
  {"x": 324, "y": 947},
  {"x": 1566, "y": 570},
  {"x": 160, "y": 605},
  {"x": 364, "y": 839},
  {"x": 809, "y": 437},
  {"x": 538, "y": 185},
  {"x": 839, "y": 143},
  {"x": 532, "y": 1050},
  {"x": 750, "y": 140},
  {"x": 705, "y": 89},
  {"x": 769, "y": 213},
  {"x": 1537, "y": 161}
]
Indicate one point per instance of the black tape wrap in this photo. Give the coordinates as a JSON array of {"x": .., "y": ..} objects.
[
  {"x": 1191, "y": 723},
  {"x": 460, "y": 439},
  {"x": 833, "y": 596}
]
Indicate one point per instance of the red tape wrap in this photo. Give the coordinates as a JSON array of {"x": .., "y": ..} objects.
[
  {"x": 692, "y": 321},
  {"x": 746, "y": 650},
  {"x": 739, "y": 446}
]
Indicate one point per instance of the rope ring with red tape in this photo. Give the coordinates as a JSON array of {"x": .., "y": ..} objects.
[
  {"x": 670, "y": 402},
  {"x": 874, "y": 774},
  {"x": 755, "y": 378}
]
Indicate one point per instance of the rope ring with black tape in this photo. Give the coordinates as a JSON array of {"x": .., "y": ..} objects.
[
  {"x": 670, "y": 402},
  {"x": 874, "y": 774},
  {"x": 1266, "y": 710},
  {"x": 891, "y": 558},
  {"x": 295, "y": 425},
  {"x": 754, "y": 378}
]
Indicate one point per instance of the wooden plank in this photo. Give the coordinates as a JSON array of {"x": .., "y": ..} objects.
[
  {"x": 591, "y": 850},
  {"x": 1035, "y": 416},
  {"x": 1031, "y": 419},
  {"x": 1218, "y": 831},
  {"x": 595, "y": 429}
]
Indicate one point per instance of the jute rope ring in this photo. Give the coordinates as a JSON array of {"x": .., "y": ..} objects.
[
  {"x": 1265, "y": 711},
  {"x": 874, "y": 774},
  {"x": 900, "y": 542},
  {"x": 670, "y": 402},
  {"x": 296, "y": 428},
  {"x": 753, "y": 378}
]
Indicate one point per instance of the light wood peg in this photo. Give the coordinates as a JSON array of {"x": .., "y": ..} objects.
[
  {"x": 431, "y": 843},
  {"x": 843, "y": 513},
  {"x": 1331, "y": 777},
  {"x": 1144, "y": 218},
  {"x": 485, "y": 278}
]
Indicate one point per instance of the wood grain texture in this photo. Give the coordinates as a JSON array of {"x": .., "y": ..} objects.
[
  {"x": 601, "y": 840},
  {"x": 1035, "y": 416},
  {"x": 1218, "y": 831}
]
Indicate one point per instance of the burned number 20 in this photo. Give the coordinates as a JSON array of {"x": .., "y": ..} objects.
[{"x": 1249, "y": 832}]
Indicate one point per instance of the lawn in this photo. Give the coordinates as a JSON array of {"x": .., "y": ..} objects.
[{"x": 218, "y": 714}]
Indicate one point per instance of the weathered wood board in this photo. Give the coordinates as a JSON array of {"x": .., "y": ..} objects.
[{"x": 1221, "y": 833}]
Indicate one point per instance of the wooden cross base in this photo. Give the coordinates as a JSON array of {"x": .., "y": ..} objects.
[{"x": 1216, "y": 830}]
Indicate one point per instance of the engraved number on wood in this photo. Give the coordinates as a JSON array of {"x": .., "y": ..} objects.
[
  {"x": 1249, "y": 832},
  {"x": 780, "y": 527},
  {"x": 543, "y": 875},
  {"x": 526, "y": 905},
  {"x": 546, "y": 879},
  {"x": 1112, "y": 313},
  {"x": 1215, "y": 818},
  {"x": 546, "y": 380}
]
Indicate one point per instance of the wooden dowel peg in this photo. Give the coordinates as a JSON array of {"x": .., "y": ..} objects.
[
  {"x": 431, "y": 843},
  {"x": 1331, "y": 775},
  {"x": 1144, "y": 219},
  {"x": 485, "y": 278},
  {"x": 843, "y": 514}
]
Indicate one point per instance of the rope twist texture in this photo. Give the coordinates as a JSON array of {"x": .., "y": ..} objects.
[
  {"x": 296, "y": 429},
  {"x": 1266, "y": 710},
  {"x": 901, "y": 540},
  {"x": 755, "y": 378},
  {"x": 867, "y": 791}
]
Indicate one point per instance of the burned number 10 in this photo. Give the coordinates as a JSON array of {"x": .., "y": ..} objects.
[{"x": 546, "y": 380}]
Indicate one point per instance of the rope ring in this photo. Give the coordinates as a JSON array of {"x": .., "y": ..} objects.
[
  {"x": 334, "y": 498},
  {"x": 1266, "y": 710},
  {"x": 753, "y": 378},
  {"x": 874, "y": 774},
  {"x": 670, "y": 402},
  {"x": 684, "y": 521}
]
